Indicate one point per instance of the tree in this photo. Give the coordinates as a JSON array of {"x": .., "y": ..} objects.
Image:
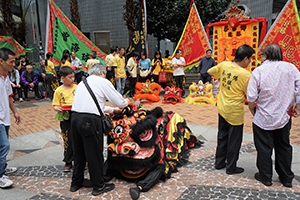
[
  {"x": 7, "y": 16},
  {"x": 167, "y": 18},
  {"x": 129, "y": 17},
  {"x": 75, "y": 18},
  {"x": 22, "y": 29}
]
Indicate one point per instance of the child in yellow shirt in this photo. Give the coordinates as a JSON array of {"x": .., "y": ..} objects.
[{"x": 62, "y": 104}]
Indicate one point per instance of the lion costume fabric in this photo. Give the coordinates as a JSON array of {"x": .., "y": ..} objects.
[
  {"x": 147, "y": 146},
  {"x": 147, "y": 92},
  {"x": 200, "y": 94},
  {"x": 172, "y": 95}
]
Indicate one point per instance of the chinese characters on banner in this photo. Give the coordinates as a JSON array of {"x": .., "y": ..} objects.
[{"x": 286, "y": 33}]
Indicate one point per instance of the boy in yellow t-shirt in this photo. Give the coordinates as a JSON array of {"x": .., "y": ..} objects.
[
  {"x": 233, "y": 89},
  {"x": 62, "y": 104}
]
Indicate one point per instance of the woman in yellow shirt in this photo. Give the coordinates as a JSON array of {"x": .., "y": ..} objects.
[
  {"x": 51, "y": 75},
  {"x": 157, "y": 65},
  {"x": 65, "y": 60}
]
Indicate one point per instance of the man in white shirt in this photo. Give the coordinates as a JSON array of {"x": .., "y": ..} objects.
[
  {"x": 87, "y": 128},
  {"x": 7, "y": 63},
  {"x": 178, "y": 63},
  {"x": 76, "y": 62}
]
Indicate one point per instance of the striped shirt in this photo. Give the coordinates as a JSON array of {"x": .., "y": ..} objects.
[{"x": 274, "y": 86}]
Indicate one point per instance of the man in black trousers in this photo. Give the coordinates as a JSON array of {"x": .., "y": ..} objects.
[
  {"x": 87, "y": 128},
  {"x": 233, "y": 89}
]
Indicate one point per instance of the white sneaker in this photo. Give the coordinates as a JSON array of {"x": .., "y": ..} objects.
[
  {"x": 9, "y": 170},
  {"x": 21, "y": 100},
  {"x": 5, "y": 182}
]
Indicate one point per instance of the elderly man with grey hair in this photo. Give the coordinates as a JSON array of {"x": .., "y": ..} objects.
[
  {"x": 29, "y": 80},
  {"x": 87, "y": 128},
  {"x": 275, "y": 89}
]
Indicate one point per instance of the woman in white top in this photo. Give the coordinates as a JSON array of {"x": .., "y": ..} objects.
[
  {"x": 178, "y": 63},
  {"x": 14, "y": 78}
]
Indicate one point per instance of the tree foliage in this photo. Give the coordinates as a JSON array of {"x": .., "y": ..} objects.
[
  {"x": 75, "y": 18},
  {"x": 166, "y": 18},
  {"x": 22, "y": 29},
  {"x": 7, "y": 16},
  {"x": 129, "y": 17}
]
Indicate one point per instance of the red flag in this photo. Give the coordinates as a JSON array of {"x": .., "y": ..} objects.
[
  {"x": 285, "y": 32},
  {"x": 193, "y": 42}
]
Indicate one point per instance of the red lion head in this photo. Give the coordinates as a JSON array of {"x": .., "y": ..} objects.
[{"x": 172, "y": 95}]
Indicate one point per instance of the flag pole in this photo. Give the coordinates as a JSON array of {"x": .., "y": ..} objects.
[{"x": 47, "y": 28}]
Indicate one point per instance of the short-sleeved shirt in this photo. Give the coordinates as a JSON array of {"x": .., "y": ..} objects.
[
  {"x": 67, "y": 64},
  {"x": 90, "y": 63},
  {"x": 109, "y": 60},
  {"x": 63, "y": 97},
  {"x": 158, "y": 67},
  {"x": 49, "y": 67},
  {"x": 233, "y": 90},
  {"x": 120, "y": 64},
  {"x": 274, "y": 86},
  {"x": 133, "y": 67},
  {"x": 178, "y": 71},
  {"x": 5, "y": 93}
]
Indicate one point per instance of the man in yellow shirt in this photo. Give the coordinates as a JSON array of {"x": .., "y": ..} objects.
[
  {"x": 119, "y": 63},
  {"x": 233, "y": 89},
  {"x": 90, "y": 62}
]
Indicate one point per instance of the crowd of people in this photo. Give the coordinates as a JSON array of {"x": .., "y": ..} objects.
[{"x": 271, "y": 101}]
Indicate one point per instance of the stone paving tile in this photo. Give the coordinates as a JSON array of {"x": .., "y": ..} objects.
[
  {"x": 207, "y": 163},
  {"x": 35, "y": 119},
  {"x": 50, "y": 197},
  {"x": 43, "y": 171},
  {"x": 195, "y": 192}
]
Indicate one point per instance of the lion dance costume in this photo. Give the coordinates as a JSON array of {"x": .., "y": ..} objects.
[
  {"x": 200, "y": 94},
  {"x": 147, "y": 146}
]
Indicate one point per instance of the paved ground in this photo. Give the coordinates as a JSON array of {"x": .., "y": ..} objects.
[{"x": 37, "y": 152}]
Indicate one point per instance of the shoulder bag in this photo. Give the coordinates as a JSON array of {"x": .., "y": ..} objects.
[
  {"x": 106, "y": 122},
  {"x": 144, "y": 73}
]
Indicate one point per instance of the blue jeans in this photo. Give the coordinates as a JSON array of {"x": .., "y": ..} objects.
[
  {"x": 4, "y": 147},
  {"x": 120, "y": 85}
]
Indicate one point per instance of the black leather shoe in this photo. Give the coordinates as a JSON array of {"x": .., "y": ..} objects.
[
  {"x": 220, "y": 167},
  {"x": 134, "y": 193},
  {"x": 266, "y": 183},
  {"x": 107, "y": 187},
  {"x": 74, "y": 188},
  {"x": 237, "y": 170},
  {"x": 287, "y": 184}
]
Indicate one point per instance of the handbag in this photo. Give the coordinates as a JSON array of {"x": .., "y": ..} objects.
[
  {"x": 162, "y": 77},
  {"x": 144, "y": 73},
  {"x": 107, "y": 125}
]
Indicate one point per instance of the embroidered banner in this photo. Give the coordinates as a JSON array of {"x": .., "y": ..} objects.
[
  {"x": 139, "y": 39},
  {"x": 227, "y": 40},
  {"x": 63, "y": 34},
  {"x": 193, "y": 42},
  {"x": 285, "y": 32}
]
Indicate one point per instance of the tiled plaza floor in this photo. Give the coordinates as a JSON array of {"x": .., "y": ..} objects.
[
  {"x": 196, "y": 180},
  {"x": 40, "y": 118}
]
